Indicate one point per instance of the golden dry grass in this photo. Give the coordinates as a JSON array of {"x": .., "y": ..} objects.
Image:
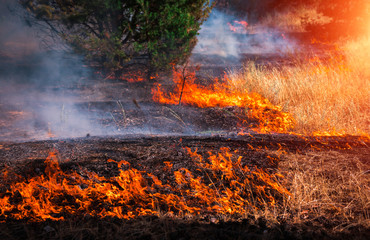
[
  {"x": 323, "y": 94},
  {"x": 328, "y": 184},
  {"x": 327, "y": 187}
]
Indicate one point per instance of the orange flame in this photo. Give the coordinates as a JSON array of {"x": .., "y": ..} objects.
[
  {"x": 131, "y": 77},
  {"x": 270, "y": 118},
  {"x": 224, "y": 187}
]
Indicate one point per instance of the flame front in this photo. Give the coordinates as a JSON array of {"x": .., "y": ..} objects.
[
  {"x": 270, "y": 118},
  {"x": 218, "y": 185}
]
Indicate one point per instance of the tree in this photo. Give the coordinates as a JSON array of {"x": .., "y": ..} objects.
[{"x": 121, "y": 33}]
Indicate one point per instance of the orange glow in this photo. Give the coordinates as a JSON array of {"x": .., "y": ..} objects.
[
  {"x": 270, "y": 118},
  {"x": 332, "y": 132},
  {"x": 131, "y": 77},
  {"x": 217, "y": 185}
]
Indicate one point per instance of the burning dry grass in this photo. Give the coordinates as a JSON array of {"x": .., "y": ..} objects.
[
  {"x": 327, "y": 95},
  {"x": 218, "y": 186},
  {"x": 259, "y": 113},
  {"x": 323, "y": 95},
  {"x": 319, "y": 192}
]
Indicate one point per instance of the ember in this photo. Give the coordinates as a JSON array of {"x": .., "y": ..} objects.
[{"x": 131, "y": 76}]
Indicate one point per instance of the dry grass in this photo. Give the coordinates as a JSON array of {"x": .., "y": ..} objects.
[
  {"x": 323, "y": 94},
  {"x": 332, "y": 185},
  {"x": 328, "y": 189},
  {"x": 329, "y": 183}
]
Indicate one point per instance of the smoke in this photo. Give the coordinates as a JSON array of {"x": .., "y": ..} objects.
[
  {"x": 227, "y": 36},
  {"x": 49, "y": 92},
  {"x": 16, "y": 40},
  {"x": 39, "y": 95}
]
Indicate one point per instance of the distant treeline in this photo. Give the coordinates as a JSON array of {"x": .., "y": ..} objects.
[{"x": 349, "y": 17}]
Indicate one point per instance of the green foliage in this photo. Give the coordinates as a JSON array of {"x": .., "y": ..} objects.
[{"x": 118, "y": 33}]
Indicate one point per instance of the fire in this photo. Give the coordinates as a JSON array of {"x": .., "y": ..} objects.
[
  {"x": 270, "y": 118},
  {"x": 221, "y": 184},
  {"x": 332, "y": 132},
  {"x": 131, "y": 77},
  {"x": 239, "y": 27}
]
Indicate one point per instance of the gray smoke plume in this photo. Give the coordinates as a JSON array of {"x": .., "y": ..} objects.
[
  {"x": 217, "y": 38},
  {"x": 47, "y": 92},
  {"x": 37, "y": 94}
]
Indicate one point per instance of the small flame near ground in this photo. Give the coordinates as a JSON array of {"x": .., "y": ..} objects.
[
  {"x": 220, "y": 184},
  {"x": 131, "y": 76}
]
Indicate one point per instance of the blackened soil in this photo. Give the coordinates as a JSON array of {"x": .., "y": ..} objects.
[
  {"x": 168, "y": 228},
  {"x": 144, "y": 150}
]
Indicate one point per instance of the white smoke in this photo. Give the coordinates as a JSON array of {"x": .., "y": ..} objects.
[
  {"x": 39, "y": 93},
  {"x": 217, "y": 38}
]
